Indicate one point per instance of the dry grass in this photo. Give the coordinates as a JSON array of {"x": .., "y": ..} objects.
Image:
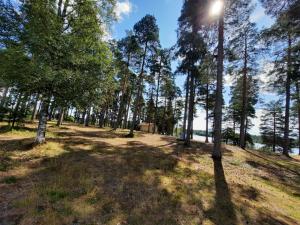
[{"x": 96, "y": 176}]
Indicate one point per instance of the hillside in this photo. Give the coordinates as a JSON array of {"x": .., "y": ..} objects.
[{"x": 94, "y": 176}]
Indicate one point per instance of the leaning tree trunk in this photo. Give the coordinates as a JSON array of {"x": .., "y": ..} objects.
[
  {"x": 191, "y": 111},
  {"x": 286, "y": 146},
  {"x": 187, "y": 90},
  {"x": 244, "y": 99},
  {"x": 216, "y": 154},
  {"x": 41, "y": 131}
]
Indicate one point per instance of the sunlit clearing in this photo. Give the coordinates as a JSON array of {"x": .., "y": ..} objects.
[{"x": 216, "y": 8}]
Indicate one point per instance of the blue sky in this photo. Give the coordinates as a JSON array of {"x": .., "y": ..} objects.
[{"x": 167, "y": 13}]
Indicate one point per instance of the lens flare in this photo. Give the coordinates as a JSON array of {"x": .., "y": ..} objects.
[{"x": 216, "y": 8}]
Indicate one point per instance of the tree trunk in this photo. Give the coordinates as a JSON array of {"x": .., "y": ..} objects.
[
  {"x": 157, "y": 95},
  {"x": 122, "y": 107},
  {"x": 125, "y": 125},
  {"x": 16, "y": 109},
  {"x": 34, "y": 112},
  {"x": 83, "y": 118},
  {"x": 61, "y": 117},
  {"x": 216, "y": 154},
  {"x": 41, "y": 131},
  {"x": 139, "y": 94},
  {"x": 3, "y": 97},
  {"x": 164, "y": 117},
  {"x": 206, "y": 109},
  {"x": 187, "y": 90},
  {"x": 88, "y": 117},
  {"x": 274, "y": 132},
  {"x": 298, "y": 109},
  {"x": 244, "y": 98},
  {"x": 286, "y": 146},
  {"x": 190, "y": 111}
]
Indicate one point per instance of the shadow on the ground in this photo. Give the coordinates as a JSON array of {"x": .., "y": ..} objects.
[
  {"x": 94, "y": 182},
  {"x": 223, "y": 211},
  {"x": 7, "y": 129},
  {"x": 24, "y": 144},
  {"x": 113, "y": 181},
  {"x": 285, "y": 179}
]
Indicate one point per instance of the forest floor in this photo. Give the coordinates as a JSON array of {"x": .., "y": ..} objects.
[{"x": 95, "y": 176}]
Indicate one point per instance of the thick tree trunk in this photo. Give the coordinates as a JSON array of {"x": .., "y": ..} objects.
[
  {"x": 187, "y": 90},
  {"x": 61, "y": 117},
  {"x": 286, "y": 146},
  {"x": 206, "y": 109},
  {"x": 244, "y": 98},
  {"x": 41, "y": 131},
  {"x": 139, "y": 94},
  {"x": 190, "y": 111},
  {"x": 216, "y": 154}
]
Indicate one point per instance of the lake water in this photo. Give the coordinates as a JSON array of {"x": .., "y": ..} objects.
[{"x": 295, "y": 151}]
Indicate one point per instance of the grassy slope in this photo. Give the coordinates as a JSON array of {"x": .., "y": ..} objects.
[{"x": 93, "y": 176}]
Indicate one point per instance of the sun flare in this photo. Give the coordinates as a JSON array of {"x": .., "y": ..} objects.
[{"x": 216, "y": 8}]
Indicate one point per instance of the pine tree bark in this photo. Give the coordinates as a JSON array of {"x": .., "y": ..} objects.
[
  {"x": 286, "y": 146},
  {"x": 41, "y": 131},
  {"x": 216, "y": 154}
]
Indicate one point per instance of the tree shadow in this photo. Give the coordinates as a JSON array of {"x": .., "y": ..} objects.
[
  {"x": 223, "y": 212},
  {"x": 8, "y": 129},
  {"x": 111, "y": 182},
  {"x": 24, "y": 144}
]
